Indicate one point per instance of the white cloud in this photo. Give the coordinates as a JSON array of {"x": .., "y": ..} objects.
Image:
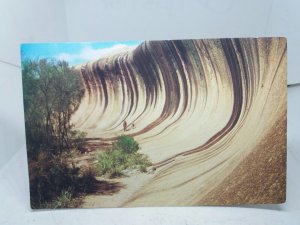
[
  {"x": 66, "y": 56},
  {"x": 88, "y": 53}
]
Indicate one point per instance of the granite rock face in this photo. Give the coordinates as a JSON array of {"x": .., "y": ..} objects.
[{"x": 199, "y": 109}]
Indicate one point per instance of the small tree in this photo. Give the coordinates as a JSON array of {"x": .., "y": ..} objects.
[{"x": 52, "y": 90}]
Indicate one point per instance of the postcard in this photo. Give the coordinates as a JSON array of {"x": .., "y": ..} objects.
[{"x": 156, "y": 123}]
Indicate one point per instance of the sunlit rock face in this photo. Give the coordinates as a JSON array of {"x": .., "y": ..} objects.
[{"x": 198, "y": 108}]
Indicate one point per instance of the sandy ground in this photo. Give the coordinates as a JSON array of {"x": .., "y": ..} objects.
[{"x": 119, "y": 191}]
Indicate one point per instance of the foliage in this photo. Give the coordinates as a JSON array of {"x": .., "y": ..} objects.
[
  {"x": 126, "y": 144},
  {"x": 50, "y": 175},
  {"x": 52, "y": 91},
  {"x": 111, "y": 163},
  {"x": 65, "y": 200},
  {"x": 122, "y": 156}
]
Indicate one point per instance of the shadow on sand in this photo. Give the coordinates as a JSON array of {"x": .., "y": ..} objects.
[{"x": 107, "y": 187}]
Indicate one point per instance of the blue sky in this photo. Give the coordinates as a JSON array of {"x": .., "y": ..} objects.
[{"x": 74, "y": 53}]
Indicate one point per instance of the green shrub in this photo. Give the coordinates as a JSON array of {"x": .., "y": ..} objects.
[
  {"x": 116, "y": 172},
  {"x": 137, "y": 159},
  {"x": 105, "y": 163},
  {"x": 123, "y": 155},
  {"x": 126, "y": 144},
  {"x": 111, "y": 163},
  {"x": 65, "y": 200},
  {"x": 143, "y": 169}
]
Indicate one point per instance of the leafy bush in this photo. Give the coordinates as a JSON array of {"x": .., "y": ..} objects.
[
  {"x": 111, "y": 163},
  {"x": 138, "y": 160},
  {"x": 143, "y": 169},
  {"x": 122, "y": 156},
  {"x": 65, "y": 200},
  {"x": 126, "y": 144},
  {"x": 51, "y": 175}
]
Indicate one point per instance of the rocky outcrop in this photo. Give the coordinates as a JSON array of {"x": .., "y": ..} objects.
[{"x": 198, "y": 108}]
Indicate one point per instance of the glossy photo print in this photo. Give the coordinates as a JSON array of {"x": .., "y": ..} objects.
[{"x": 156, "y": 123}]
